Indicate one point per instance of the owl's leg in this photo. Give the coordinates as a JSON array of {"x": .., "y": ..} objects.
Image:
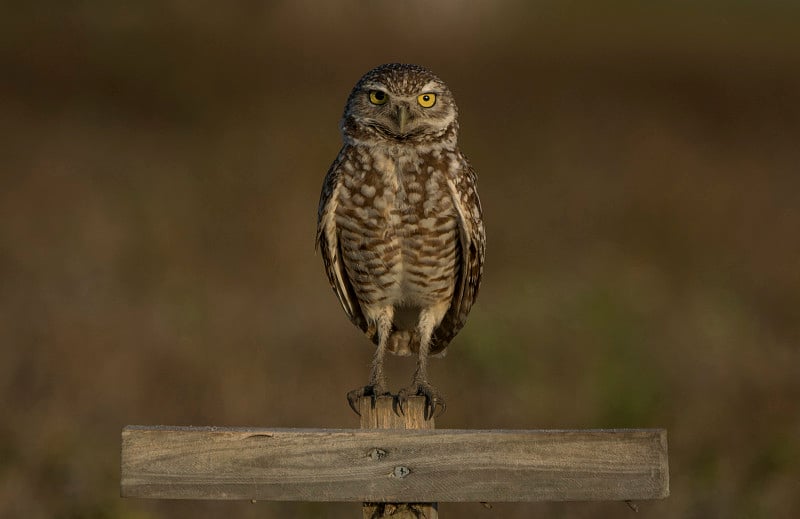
[
  {"x": 377, "y": 379},
  {"x": 419, "y": 384}
]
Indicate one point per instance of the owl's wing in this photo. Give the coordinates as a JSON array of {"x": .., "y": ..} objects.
[
  {"x": 472, "y": 241},
  {"x": 330, "y": 247}
]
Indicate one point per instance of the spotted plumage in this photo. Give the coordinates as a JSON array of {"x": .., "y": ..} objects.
[{"x": 400, "y": 226}]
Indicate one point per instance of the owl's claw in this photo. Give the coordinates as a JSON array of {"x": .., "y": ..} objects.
[
  {"x": 434, "y": 402},
  {"x": 355, "y": 395}
]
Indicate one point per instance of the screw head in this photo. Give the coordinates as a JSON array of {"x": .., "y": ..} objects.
[
  {"x": 377, "y": 454},
  {"x": 401, "y": 471}
]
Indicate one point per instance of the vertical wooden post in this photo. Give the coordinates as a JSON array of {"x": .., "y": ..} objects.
[{"x": 385, "y": 415}]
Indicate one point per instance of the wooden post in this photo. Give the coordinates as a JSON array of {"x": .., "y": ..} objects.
[{"x": 386, "y": 415}]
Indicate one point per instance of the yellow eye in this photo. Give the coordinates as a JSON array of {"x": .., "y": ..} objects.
[
  {"x": 377, "y": 97},
  {"x": 426, "y": 100}
]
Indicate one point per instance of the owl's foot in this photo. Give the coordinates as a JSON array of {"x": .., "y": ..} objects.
[
  {"x": 372, "y": 390},
  {"x": 434, "y": 402}
]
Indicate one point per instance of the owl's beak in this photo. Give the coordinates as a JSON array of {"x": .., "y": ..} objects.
[{"x": 402, "y": 117}]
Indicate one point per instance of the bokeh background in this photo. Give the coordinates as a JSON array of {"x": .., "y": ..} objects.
[{"x": 639, "y": 165}]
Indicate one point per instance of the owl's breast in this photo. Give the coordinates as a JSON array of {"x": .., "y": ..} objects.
[{"x": 398, "y": 230}]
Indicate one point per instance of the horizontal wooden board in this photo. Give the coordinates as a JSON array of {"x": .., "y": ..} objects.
[{"x": 393, "y": 465}]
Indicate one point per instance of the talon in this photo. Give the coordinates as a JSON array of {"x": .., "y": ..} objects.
[
  {"x": 355, "y": 395},
  {"x": 433, "y": 399},
  {"x": 352, "y": 399},
  {"x": 442, "y": 408},
  {"x": 402, "y": 400},
  {"x": 434, "y": 405}
]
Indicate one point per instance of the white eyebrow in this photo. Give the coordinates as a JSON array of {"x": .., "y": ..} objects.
[
  {"x": 374, "y": 86},
  {"x": 430, "y": 86}
]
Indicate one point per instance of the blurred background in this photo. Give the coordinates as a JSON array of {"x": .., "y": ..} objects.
[{"x": 640, "y": 174}]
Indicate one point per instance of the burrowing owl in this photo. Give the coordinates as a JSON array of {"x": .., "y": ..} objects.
[{"x": 400, "y": 224}]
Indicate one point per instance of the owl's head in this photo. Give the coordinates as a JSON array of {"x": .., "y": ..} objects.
[{"x": 400, "y": 103}]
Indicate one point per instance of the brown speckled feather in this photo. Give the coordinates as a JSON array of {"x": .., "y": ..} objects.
[
  {"x": 328, "y": 244},
  {"x": 400, "y": 226},
  {"x": 473, "y": 246},
  {"x": 470, "y": 253}
]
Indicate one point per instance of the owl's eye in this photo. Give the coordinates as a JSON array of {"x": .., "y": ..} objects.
[
  {"x": 377, "y": 97},
  {"x": 426, "y": 100}
]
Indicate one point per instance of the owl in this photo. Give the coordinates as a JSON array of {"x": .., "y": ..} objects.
[{"x": 400, "y": 226}]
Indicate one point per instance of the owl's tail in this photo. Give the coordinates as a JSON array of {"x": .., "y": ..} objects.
[{"x": 406, "y": 342}]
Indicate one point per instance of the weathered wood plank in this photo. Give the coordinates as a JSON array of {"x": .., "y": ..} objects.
[{"x": 393, "y": 465}]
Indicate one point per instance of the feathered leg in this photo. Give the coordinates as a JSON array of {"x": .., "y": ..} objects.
[
  {"x": 377, "y": 379},
  {"x": 419, "y": 384}
]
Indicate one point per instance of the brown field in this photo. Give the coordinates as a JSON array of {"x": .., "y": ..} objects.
[{"x": 639, "y": 165}]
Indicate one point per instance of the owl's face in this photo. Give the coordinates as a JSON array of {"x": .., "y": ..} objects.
[{"x": 400, "y": 103}]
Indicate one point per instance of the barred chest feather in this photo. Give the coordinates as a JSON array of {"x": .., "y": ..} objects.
[{"x": 398, "y": 226}]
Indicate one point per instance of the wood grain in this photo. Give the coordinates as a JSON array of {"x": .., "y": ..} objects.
[
  {"x": 383, "y": 413},
  {"x": 393, "y": 465}
]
